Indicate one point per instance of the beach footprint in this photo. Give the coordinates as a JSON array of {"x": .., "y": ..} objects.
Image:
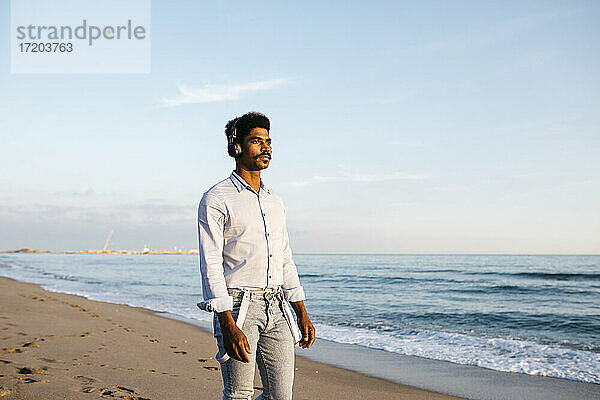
[
  {"x": 120, "y": 392},
  {"x": 84, "y": 380},
  {"x": 31, "y": 371},
  {"x": 50, "y": 360},
  {"x": 90, "y": 384},
  {"x": 25, "y": 374},
  {"x": 151, "y": 338},
  {"x": 12, "y": 350}
]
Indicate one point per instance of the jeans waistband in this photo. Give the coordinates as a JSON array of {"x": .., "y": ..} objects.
[{"x": 256, "y": 294}]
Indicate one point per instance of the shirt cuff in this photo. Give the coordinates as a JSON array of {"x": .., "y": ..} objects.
[
  {"x": 294, "y": 294},
  {"x": 217, "y": 304}
]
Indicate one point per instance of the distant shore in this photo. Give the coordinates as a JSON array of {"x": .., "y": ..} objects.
[{"x": 30, "y": 251}]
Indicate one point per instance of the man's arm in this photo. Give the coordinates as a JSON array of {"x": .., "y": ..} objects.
[
  {"x": 294, "y": 293},
  {"x": 306, "y": 327},
  {"x": 292, "y": 289},
  {"x": 211, "y": 222}
]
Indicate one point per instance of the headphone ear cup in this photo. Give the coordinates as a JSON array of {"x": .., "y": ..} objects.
[
  {"x": 234, "y": 150},
  {"x": 238, "y": 150},
  {"x": 233, "y": 147}
]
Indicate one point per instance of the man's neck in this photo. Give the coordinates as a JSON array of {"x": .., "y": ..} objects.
[{"x": 252, "y": 178}]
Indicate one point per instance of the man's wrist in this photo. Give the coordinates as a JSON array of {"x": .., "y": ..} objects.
[
  {"x": 225, "y": 319},
  {"x": 299, "y": 309}
]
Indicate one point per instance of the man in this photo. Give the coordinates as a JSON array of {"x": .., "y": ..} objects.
[{"x": 247, "y": 270}]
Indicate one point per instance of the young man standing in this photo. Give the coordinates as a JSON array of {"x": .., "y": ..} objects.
[{"x": 247, "y": 270}]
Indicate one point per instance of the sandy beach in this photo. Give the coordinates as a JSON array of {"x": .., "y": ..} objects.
[{"x": 61, "y": 346}]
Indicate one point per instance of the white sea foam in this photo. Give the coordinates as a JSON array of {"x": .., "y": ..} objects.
[
  {"x": 184, "y": 309},
  {"x": 493, "y": 353}
]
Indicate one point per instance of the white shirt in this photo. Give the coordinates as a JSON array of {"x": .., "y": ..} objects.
[{"x": 243, "y": 242}]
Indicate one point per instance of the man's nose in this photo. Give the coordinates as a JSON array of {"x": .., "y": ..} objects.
[{"x": 266, "y": 147}]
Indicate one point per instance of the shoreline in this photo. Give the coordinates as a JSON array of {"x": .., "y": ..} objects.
[
  {"x": 356, "y": 371},
  {"x": 71, "y": 347},
  {"x": 415, "y": 371}
]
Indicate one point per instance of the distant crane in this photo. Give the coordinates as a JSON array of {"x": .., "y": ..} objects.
[{"x": 107, "y": 239}]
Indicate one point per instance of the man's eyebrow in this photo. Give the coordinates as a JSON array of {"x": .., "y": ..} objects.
[{"x": 258, "y": 137}]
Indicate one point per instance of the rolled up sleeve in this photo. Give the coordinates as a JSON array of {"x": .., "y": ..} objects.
[
  {"x": 292, "y": 290},
  {"x": 212, "y": 214}
]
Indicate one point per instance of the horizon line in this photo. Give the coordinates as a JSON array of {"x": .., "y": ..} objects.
[{"x": 39, "y": 251}]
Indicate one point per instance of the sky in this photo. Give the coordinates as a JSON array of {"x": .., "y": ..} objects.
[{"x": 397, "y": 127}]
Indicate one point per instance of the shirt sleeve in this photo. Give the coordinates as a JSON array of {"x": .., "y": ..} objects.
[
  {"x": 211, "y": 221},
  {"x": 292, "y": 290}
]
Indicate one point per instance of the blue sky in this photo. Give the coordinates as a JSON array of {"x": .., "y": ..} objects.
[{"x": 398, "y": 127}]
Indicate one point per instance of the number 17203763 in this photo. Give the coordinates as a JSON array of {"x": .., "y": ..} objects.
[{"x": 46, "y": 47}]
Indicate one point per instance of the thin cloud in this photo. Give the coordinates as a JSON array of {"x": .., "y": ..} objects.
[
  {"x": 405, "y": 204},
  {"x": 364, "y": 178},
  {"x": 152, "y": 211},
  {"x": 406, "y": 143},
  {"x": 212, "y": 93},
  {"x": 89, "y": 192}
]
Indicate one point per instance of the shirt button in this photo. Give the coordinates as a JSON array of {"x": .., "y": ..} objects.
[{"x": 270, "y": 255}]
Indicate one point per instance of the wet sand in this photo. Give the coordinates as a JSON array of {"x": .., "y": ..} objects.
[{"x": 61, "y": 346}]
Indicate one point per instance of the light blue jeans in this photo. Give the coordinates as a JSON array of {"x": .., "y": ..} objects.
[{"x": 272, "y": 346}]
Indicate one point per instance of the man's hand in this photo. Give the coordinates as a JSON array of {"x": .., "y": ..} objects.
[
  {"x": 306, "y": 327},
  {"x": 235, "y": 342},
  {"x": 308, "y": 332}
]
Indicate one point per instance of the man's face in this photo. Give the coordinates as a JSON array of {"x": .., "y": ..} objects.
[{"x": 256, "y": 147}]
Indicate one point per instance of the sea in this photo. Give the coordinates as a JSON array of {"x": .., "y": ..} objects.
[{"x": 531, "y": 314}]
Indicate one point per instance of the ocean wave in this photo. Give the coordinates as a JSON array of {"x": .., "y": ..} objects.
[
  {"x": 560, "y": 276},
  {"x": 72, "y": 278},
  {"x": 432, "y": 271},
  {"x": 591, "y": 276},
  {"x": 517, "y": 289},
  {"x": 13, "y": 264},
  {"x": 505, "y": 320}
]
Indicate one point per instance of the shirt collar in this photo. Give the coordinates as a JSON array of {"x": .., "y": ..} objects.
[{"x": 240, "y": 184}]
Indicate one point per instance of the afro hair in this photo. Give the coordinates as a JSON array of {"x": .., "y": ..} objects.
[{"x": 246, "y": 123}]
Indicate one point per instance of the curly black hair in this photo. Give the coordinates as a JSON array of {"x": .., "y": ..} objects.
[{"x": 246, "y": 123}]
